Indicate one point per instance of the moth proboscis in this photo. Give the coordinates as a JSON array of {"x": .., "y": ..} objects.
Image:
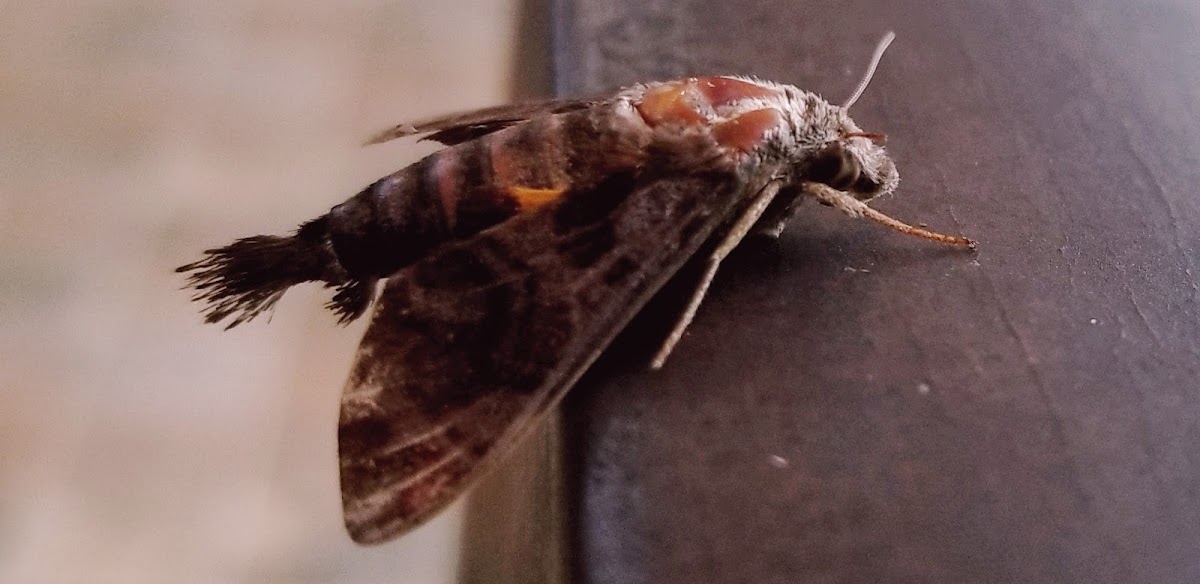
[{"x": 513, "y": 256}]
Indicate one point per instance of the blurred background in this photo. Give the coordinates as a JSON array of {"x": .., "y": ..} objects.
[{"x": 136, "y": 443}]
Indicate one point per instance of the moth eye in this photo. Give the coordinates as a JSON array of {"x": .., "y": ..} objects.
[
  {"x": 834, "y": 166},
  {"x": 865, "y": 186}
]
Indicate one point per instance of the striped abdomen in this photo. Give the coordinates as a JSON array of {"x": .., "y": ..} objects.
[
  {"x": 463, "y": 189},
  {"x": 451, "y": 194}
]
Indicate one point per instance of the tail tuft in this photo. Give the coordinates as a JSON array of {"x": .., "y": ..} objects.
[
  {"x": 352, "y": 299},
  {"x": 247, "y": 277}
]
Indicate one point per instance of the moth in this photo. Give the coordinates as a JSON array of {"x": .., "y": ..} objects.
[{"x": 512, "y": 257}]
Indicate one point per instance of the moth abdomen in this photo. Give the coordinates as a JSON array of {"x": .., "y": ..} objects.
[
  {"x": 384, "y": 227},
  {"x": 389, "y": 224},
  {"x": 451, "y": 194}
]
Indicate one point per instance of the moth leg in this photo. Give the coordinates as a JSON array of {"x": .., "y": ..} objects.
[
  {"x": 744, "y": 224},
  {"x": 778, "y": 213}
]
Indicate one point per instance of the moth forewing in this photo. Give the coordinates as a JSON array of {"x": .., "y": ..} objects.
[
  {"x": 463, "y": 126},
  {"x": 471, "y": 345}
]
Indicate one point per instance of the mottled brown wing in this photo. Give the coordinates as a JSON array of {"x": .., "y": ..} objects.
[
  {"x": 469, "y": 346},
  {"x": 456, "y": 128}
]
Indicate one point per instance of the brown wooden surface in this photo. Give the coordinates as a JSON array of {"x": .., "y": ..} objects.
[
  {"x": 515, "y": 527},
  {"x": 855, "y": 406}
]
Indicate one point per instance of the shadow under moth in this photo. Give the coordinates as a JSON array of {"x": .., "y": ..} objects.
[{"x": 512, "y": 257}]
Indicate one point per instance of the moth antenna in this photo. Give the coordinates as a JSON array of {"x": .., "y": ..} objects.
[{"x": 862, "y": 85}]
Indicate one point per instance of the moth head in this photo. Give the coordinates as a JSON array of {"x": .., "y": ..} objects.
[
  {"x": 851, "y": 160},
  {"x": 855, "y": 163}
]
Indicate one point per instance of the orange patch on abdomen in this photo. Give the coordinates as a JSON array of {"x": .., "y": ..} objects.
[
  {"x": 521, "y": 177},
  {"x": 528, "y": 199}
]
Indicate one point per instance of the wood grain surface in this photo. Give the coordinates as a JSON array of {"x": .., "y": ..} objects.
[{"x": 856, "y": 406}]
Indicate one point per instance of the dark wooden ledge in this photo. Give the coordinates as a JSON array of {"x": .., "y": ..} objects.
[{"x": 855, "y": 406}]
